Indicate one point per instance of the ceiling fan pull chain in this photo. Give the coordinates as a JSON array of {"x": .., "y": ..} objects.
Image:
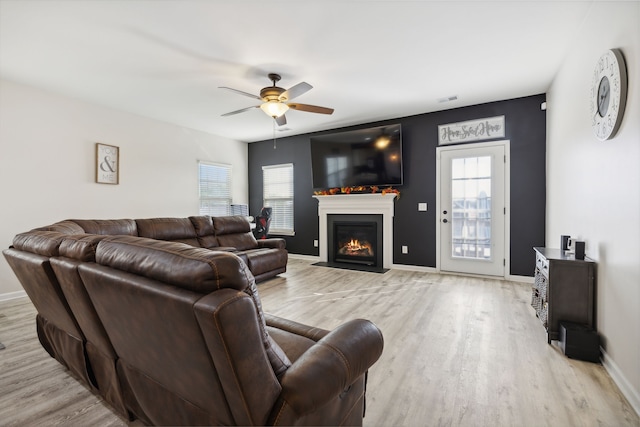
[{"x": 274, "y": 134}]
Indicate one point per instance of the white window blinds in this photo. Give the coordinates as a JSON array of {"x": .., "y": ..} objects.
[
  {"x": 215, "y": 188},
  {"x": 277, "y": 182}
]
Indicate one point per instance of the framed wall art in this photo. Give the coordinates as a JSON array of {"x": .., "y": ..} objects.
[{"x": 107, "y": 164}]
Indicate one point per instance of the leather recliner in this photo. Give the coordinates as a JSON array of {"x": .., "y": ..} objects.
[
  {"x": 179, "y": 336},
  {"x": 195, "y": 347}
]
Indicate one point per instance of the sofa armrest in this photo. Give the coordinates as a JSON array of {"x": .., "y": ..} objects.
[
  {"x": 310, "y": 332},
  {"x": 272, "y": 242},
  {"x": 335, "y": 362}
]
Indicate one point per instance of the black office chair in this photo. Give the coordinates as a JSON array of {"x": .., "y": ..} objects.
[{"x": 263, "y": 221}]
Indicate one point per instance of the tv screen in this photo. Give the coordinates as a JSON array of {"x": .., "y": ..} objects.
[{"x": 361, "y": 157}]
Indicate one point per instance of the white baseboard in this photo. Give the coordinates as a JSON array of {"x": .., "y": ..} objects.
[
  {"x": 632, "y": 395},
  {"x": 12, "y": 295},
  {"x": 311, "y": 258},
  {"x": 408, "y": 267},
  {"x": 521, "y": 279}
]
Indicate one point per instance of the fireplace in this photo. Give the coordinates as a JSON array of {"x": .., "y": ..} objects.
[
  {"x": 355, "y": 241},
  {"x": 360, "y": 204}
]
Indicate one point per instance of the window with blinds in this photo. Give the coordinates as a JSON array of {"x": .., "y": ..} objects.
[
  {"x": 215, "y": 188},
  {"x": 277, "y": 187}
]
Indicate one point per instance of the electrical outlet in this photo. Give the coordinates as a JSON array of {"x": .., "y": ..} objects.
[
  {"x": 422, "y": 207},
  {"x": 315, "y": 243},
  {"x": 405, "y": 249}
]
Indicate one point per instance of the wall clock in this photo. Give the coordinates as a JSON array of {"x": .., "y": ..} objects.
[{"x": 608, "y": 94}]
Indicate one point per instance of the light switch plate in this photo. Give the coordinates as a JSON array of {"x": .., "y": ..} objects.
[{"x": 422, "y": 207}]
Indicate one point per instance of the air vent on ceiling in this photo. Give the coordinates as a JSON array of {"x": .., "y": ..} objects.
[{"x": 448, "y": 98}]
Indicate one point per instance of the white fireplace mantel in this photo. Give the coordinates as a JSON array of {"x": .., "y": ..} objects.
[{"x": 362, "y": 204}]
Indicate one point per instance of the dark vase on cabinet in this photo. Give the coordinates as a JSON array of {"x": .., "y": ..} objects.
[{"x": 563, "y": 290}]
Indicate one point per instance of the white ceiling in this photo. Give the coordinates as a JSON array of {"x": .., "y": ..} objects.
[{"x": 370, "y": 60}]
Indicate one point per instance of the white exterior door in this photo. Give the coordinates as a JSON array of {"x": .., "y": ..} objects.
[{"x": 471, "y": 208}]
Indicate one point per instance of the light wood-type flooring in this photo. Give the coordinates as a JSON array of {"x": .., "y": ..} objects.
[{"x": 459, "y": 351}]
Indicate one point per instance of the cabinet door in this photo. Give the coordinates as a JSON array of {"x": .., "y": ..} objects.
[{"x": 570, "y": 294}]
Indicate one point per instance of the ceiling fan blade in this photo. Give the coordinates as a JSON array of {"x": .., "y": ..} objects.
[
  {"x": 240, "y": 111},
  {"x": 311, "y": 108},
  {"x": 250, "y": 95},
  {"x": 295, "y": 91},
  {"x": 281, "y": 121}
]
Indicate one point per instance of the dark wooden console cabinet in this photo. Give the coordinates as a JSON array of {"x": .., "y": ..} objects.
[{"x": 563, "y": 290}]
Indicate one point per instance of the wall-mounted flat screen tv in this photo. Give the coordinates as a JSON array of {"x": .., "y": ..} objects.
[{"x": 363, "y": 157}]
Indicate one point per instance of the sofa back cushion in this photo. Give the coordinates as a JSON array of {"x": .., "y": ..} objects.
[
  {"x": 169, "y": 229},
  {"x": 163, "y": 359},
  {"x": 234, "y": 231},
  {"x": 195, "y": 269},
  {"x": 204, "y": 230},
  {"x": 45, "y": 243},
  {"x": 80, "y": 247},
  {"x": 65, "y": 227},
  {"x": 38, "y": 280},
  {"x": 125, "y": 227},
  {"x": 181, "y": 265},
  {"x": 137, "y": 282}
]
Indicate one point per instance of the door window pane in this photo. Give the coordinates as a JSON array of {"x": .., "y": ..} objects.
[{"x": 471, "y": 207}]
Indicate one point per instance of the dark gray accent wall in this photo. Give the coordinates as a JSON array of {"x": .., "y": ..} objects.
[{"x": 525, "y": 127}]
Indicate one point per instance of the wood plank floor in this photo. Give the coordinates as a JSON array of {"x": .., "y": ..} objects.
[{"x": 458, "y": 351}]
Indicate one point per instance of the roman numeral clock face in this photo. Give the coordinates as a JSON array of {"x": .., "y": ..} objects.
[{"x": 608, "y": 94}]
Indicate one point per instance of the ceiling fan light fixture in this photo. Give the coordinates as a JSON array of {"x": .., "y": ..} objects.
[{"x": 274, "y": 108}]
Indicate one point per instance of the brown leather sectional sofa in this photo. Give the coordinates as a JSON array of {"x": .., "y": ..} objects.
[
  {"x": 170, "y": 332},
  {"x": 265, "y": 258}
]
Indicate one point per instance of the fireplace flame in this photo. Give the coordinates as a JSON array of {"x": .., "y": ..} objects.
[
  {"x": 354, "y": 244},
  {"x": 356, "y": 248}
]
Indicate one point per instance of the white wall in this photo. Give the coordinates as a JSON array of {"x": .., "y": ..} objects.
[
  {"x": 594, "y": 187},
  {"x": 47, "y": 165}
]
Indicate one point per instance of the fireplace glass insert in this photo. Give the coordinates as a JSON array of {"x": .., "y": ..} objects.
[{"x": 354, "y": 242}]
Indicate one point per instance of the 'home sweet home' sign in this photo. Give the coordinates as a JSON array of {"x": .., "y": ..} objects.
[{"x": 472, "y": 130}]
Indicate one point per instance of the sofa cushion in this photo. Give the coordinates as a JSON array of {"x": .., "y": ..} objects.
[
  {"x": 204, "y": 230},
  {"x": 45, "y": 243},
  {"x": 241, "y": 242},
  {"x": 80, "y": 247},
  {"x": 125, "y": 227},
  {"x": 196, "y": 269},
  {"x": 65, "y": 227},
  {"x": 293, "y": 345},
  {"x": 234, "y": 231},
  {"x": 263, "y": 260},
  {"x": 169, "y": 229},
  {"x": 230, "y": 225}
]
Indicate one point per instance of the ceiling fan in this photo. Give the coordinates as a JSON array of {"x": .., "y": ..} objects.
[{"x": 275, "y": 100}]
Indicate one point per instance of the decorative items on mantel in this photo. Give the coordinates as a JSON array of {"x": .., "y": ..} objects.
[{"x": 361, "y": 189}]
